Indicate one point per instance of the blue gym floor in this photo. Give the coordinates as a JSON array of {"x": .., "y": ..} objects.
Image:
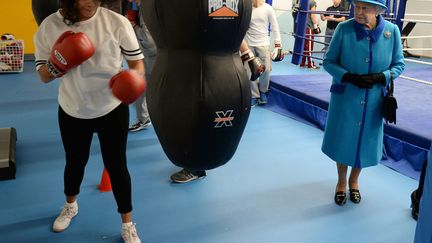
[{"x": 277, "y": 188}]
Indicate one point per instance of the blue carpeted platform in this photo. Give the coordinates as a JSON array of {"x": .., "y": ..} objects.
[{"x": 306, "y": 98}]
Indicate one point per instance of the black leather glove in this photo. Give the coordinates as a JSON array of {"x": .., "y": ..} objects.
[
  {"x": 357, "y": 80},
  {"x": 317, "y": 30},
  {"x": 374, "y": 78}
]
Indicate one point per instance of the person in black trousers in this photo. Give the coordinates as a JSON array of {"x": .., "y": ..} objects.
[
  {"x": 332, "y": 20},
  {"x": 418, "y": 193}
]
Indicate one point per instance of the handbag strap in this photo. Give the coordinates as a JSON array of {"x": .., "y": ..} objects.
[{"x": 390, "y": 88}]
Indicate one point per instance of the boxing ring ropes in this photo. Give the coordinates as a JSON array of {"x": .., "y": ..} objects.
[{"x": 395, "y": 13}]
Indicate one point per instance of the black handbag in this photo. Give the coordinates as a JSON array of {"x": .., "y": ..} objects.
[{"x": 390, "y": 104}]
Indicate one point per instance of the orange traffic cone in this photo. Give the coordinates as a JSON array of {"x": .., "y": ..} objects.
[{"x": 105, "y": 184}]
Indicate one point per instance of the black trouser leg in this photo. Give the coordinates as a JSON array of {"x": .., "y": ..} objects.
[
  {"x": 76, "y": 135},
  {"x": 419, "y": 192},
  {"x": 112, "y": 131}
]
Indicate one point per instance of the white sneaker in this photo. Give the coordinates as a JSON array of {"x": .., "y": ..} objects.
[
  {"x": 63, "y": 220},
  {"x": 129, "y": 234}
]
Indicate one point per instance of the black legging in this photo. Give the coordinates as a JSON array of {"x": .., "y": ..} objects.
[
  {"x": 419, "y": 192},
  {"x": 112, "y": 130}
]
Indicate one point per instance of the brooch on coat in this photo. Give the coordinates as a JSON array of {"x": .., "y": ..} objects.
[{"x": 387, "y": 34}]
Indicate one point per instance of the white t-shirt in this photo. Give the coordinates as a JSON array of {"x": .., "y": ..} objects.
[
  {"x": 84, "y": 90},
  {"x": 257, "y": 34}
]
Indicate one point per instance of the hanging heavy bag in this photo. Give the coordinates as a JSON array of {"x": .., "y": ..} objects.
[
  {"x": 199, "y": 95},
  {"x": 390, "y": 104},
  {"x": 43, "y": 8}
]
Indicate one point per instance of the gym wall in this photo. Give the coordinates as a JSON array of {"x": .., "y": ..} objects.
[
  {"x": 16, "y": 17},
  {"x": 420, "y": 29}
]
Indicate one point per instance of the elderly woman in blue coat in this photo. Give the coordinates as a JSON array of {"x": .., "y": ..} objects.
[{"x": 365, "y": 53}]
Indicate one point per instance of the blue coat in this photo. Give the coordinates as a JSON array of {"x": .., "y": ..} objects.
[{"x": 354, "y": 128}]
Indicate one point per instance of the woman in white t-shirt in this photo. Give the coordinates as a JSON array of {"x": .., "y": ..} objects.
[
  {"x": 86, "y": 103},
  {"x": 258, "y": 40}
]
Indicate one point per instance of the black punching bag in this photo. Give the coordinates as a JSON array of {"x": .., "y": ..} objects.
[
  {"x": 43, "y": 8},
  {"x": 198, "y": 95}
]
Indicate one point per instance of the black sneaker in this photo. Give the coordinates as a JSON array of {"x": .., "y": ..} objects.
[
  {"x": 139, "y": 125},
  {"x": 185, "y": 175}
]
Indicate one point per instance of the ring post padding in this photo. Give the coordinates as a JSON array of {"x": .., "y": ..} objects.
[
  {"x": 401, "y": 14},
  {"x": 394, "y": 8},
  {"x": 388, "y": 3},
  {"x": 300, "y": 31}
]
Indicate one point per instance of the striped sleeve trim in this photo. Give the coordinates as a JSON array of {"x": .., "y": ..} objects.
[
  {"x": 130, "y": 53},
  {"x": 39, "y": 63}
]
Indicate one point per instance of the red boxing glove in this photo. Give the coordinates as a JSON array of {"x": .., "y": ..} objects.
[
  {"x": 70, "y": 50},
  {"x": 132, "y": 16},
  {"x": 128, "y": 85},
  {"x": 7, "y": 36}
]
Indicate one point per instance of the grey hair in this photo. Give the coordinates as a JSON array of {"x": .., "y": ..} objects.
[{"x": 380, "y": 9}]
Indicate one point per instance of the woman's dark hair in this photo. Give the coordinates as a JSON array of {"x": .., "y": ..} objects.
[{"x": 70, "y": 12}]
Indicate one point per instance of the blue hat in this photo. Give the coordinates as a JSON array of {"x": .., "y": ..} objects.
[{"x": 381, "y": 3}]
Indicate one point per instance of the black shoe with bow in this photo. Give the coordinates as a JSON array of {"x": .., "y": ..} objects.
[
  {"x": 340, "y": 198},
  {"x": 355, "y": 196}
]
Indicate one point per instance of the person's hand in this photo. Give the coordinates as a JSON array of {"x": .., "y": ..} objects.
[
  {"x": 323, "y": 18},
  {"x": 127, "y": 85},
  {"x": 317, "y": 30},
  {"x": 254, "y": 67},
  {"x": 357, "y": 80},
  {"x": 277, "y": 54},
  {"x": 70, "y": 50},
  {"x": 374, "y": 78}
]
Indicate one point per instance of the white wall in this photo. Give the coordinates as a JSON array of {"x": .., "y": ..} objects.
[{"x": 421, "y": 29}]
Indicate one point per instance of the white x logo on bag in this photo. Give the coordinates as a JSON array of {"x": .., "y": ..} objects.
[{"x": 223, "y": 118}]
